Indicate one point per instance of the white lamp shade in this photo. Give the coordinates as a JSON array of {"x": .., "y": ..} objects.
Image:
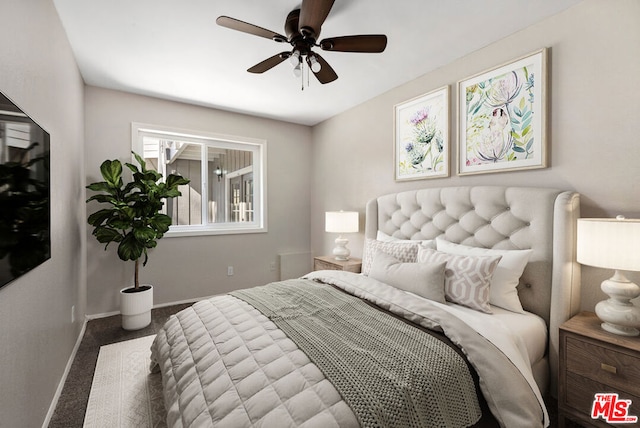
[
  {"x": 341, "y": 221},
  {"x": 609, "y": 243}
]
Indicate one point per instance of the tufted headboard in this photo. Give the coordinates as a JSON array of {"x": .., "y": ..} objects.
[{"x": 540, "y": 219}]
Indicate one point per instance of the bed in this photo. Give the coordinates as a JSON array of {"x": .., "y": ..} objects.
[{"x": 374, "y": 349}]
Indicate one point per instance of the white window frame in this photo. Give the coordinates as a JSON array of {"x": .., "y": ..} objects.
[{"x": 206, "y": 139}]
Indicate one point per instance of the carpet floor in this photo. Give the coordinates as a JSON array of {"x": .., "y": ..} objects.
[
  {"x": 72, "y": 405},
  {"x": 73, "y": 400}
]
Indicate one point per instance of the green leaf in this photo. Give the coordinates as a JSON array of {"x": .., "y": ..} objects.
[
  {"x": 141, "y": 161},
  {"x": 104, "y": 199},
  {"x": 151, "y": 176},
  {"x": 120, "y": 224},
  {"x": 144, "y": 233},
  {"x": 101, "y": 186},
  {"x": 174, "y": 181},
  {"x": 132, "y": 167},
  {"x": 112, "y": 172},
  {"x": 130, "y": 248},
  {"x": 160, "y": 222},
  {"x": 99, "y": 217},
  {"x": 518, "y": 149},
  {"x": 105, "y": 235},
  {"x": 173, "y": 193}
]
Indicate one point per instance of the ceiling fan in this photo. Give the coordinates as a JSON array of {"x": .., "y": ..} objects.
[{"x": 302, "y": 28}]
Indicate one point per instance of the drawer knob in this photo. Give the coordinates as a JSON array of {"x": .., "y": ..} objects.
[{"x": 608, "y": 368}]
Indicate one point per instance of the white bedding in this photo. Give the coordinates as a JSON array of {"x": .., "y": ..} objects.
[
  {"x": 528, "y": 330},
  {"x": 522, "y": 337}
]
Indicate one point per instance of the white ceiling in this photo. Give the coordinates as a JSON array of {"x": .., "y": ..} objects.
[{"x": 174, "y": 49}]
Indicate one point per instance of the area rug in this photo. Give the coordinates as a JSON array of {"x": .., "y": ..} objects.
[{"x": 124, "y": 393}]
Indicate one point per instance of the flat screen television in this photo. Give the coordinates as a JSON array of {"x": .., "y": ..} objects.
[{"x": 25, "y": 214}]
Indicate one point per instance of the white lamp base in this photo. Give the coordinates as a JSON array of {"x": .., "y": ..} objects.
[
  {"x": 620, "y": 316},
  {"x": 340, "y": 251}
]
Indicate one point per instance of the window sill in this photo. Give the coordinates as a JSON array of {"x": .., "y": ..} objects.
[{"x": 179, "y": 231}]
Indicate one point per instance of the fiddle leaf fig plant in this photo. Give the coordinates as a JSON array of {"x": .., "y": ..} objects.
[{"x": 133, "y": 218}]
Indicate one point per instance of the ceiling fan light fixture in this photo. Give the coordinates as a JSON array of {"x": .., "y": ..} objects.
[
  {"x": 314, "y": 65},
  {"x": 297, "y": 71},
  {"x": 295, "y": 58}
]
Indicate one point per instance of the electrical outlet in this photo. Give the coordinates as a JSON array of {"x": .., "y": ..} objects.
[
  {"x": 229, "y": 270},
  {"x": 73, "y": 314}
]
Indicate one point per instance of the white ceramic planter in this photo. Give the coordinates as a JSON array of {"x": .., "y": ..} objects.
[{"x": 136, "y": 308}]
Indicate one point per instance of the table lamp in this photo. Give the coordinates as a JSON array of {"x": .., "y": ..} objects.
[
  {"x": 341, "y": 222},
  {"x": 613, "y": 244}
]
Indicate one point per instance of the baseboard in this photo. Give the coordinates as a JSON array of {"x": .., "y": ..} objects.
[
  {"x": 67, "y": 369},
  {"x": 103, "y": 315},
  {"x": 161, "y": 305},
  {"x": 181, "y": 302}
]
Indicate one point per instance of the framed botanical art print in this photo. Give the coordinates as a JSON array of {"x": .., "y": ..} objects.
[
  {"x": 502, "y": 117},
  {"x": 421, "y": 142}
]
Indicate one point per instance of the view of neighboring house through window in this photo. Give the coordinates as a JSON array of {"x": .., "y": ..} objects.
[{"x": 226, "y": 192}]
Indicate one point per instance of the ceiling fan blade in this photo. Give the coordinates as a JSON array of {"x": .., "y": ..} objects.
[
  {"x": 374, "y": 43},
  {"x": 312, "y": 15},
  {"x": 326, "y": 73},
  {"x": 269, "y": 63},
  {"x": 245, "y": 27}
]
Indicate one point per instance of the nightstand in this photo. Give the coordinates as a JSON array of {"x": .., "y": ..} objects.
[
  {"x": 592, "y": 361},
  {"x": 330, "y": 263}
]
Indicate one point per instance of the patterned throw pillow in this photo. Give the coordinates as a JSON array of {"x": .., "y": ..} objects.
[
  {"x": 467, "y": 278},
  {"x": 405, "y": 252},
  {"x": 506, "y": 277}
]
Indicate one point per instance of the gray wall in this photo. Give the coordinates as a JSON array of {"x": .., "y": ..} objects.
[
  {"x": 595, "y": 148},
  {"x": 183, "y": 268},
  {"x": 38, "y": 72}
]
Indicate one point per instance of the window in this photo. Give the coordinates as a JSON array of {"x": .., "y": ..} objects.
[{"x": 227, "y": 189}]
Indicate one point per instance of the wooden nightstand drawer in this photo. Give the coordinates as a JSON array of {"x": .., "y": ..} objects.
[
  {"x": 330, "y": 263},
  {"x": 604, "y": 365},
  {"x": 581, "y": 392},
  {"x": 324, "y": 265},
  {"x": 594, "y": 361}
]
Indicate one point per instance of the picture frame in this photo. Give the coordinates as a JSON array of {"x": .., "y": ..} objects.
[
  {"x": 421, "y": 136},
  {"x": 502, "y": 117}
]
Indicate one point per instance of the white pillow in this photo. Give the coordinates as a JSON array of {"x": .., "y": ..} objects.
[
  {"x": 503, "y": 292},
  {"x": 383, "y": 237},
  {"x": 404, "y": 251},
  {"x": 466, "y": 278},
  {"x": 423, "y": 279}
]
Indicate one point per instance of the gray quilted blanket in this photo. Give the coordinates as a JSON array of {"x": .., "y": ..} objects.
[
  {"x": 390, "y": 372},
  {"x": 225, "y": 364}
]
